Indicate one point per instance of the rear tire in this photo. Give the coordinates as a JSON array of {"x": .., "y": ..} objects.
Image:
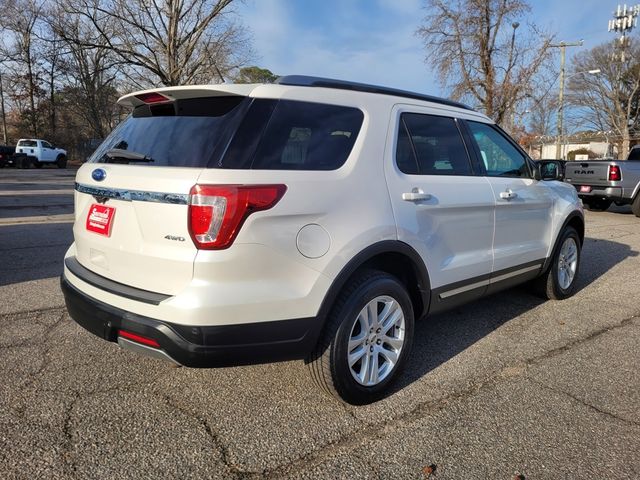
[
  {"x": 61, "y": 161},
  {"x": 597, "y": 204},
  {"x": 37, "y": 164},
  {"x": 635, "y": 206},
  {"x": 366, "y": 339},
  {"x": 559, "y": 281}
]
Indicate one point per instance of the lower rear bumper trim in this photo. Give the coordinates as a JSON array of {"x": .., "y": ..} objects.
[{"x": 195, "y": 346}]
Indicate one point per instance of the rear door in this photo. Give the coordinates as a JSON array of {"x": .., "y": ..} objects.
[
  {"x": 47, "y": 152},
  {"x": 442, "y": 208},
  {"x": 523, "y": 206},
  {"x": 131, "y": 199}
]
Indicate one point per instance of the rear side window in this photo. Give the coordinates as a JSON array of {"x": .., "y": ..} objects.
[
  {"x": 293, "y": 135},
  {"x": 27, "y": 143},
  {"x": 430, "y": 145},
  {"x": 634, "y": 154}
]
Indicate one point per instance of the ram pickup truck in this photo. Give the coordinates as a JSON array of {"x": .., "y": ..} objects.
[
  {"x": 601, "y": 182},
  {"x": 41, "y": 152}
]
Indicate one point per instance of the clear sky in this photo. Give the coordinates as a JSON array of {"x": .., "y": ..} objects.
[{"x": 374, "y": 41}]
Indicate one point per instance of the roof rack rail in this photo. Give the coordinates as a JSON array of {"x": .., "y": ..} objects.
[{"x": 307, "y": 81}]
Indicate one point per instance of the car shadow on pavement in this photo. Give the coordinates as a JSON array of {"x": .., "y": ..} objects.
[{"x": 440, "y": 338}]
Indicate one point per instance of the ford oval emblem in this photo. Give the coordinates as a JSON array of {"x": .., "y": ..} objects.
[{"x": 98, "y": 174}]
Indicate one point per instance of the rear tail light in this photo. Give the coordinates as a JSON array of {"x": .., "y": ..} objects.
[
  {"x": 614, "y": 173},
  {"x": 217, "y": 212},
  {"x": 150, "y": 342}
]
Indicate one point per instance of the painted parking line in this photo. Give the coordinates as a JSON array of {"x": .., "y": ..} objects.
[
  {"x": 10, "y": 193},
  {"x": 63, "y": 218}
]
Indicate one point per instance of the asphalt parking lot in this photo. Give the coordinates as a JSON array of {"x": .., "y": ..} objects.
[{"x": 509, "y": 386}]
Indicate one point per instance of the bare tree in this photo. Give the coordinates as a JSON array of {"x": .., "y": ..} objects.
[
  {"x": 21, "y": 19},
  {"x": 166, "y": 42},
  {"x": 611, "y": 99},
  {"x": 482, "y": 53},
  {"x": 90, "y": 72},
  {"x": 542, "y": 113}
]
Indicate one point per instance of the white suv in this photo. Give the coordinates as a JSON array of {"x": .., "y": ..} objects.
[{"x": 312, "y": 219}]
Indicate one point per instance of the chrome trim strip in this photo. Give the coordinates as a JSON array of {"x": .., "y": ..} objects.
[
  {"x": 466, "y": 288},
  {"x": 499, "y": 278},
  {"x": 134, "y": 195},
  {"x": 482, "y": 283},
  {"x": 127, "y": 344}
]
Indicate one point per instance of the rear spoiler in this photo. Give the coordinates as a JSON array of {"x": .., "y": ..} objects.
[{"x": 169, "y": 94}]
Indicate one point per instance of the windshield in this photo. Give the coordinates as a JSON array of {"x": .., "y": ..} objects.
[{"x": 184, "y": 133}]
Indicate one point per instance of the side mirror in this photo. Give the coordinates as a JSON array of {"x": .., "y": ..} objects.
[{"x": 550, "y": 170}]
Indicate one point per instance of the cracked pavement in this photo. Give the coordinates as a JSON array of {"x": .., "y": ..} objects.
[{"x": 506, "y": 386}]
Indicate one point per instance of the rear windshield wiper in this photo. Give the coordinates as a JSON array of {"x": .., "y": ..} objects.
[{"x": 119, "y": 155}]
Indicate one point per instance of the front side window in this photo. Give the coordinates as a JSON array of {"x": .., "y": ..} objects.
[
  {"x": 46, "y": 144},
  {"x": 430, "y": 145},
  {"x": 499, "y": 156}
]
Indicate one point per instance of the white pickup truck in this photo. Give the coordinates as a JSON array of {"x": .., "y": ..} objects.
[
  {"x": 41, "y": 152},
  {"x": 601, "y": 182}
]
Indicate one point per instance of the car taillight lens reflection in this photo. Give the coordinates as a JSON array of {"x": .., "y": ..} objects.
[
  {"x": 614, "y": 173},
  {"x": 217, "y": 212}
]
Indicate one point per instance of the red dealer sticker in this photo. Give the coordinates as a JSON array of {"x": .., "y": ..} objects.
[{"x": 100, "y": 219}]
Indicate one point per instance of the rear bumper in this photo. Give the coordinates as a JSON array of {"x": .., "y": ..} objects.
[
  {"x": 195, "y": 346},
  {"x": 613, "y": 193}
]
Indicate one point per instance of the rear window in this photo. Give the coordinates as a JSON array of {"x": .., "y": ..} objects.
[
  {"x": 184, "y": 133},
  {"x": 27, "y": 143},
  {"x": 634, "y": 154},
  {"x": 234, "y": 132}
]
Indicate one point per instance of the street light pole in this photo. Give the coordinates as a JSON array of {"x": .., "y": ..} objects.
[{"x": 562, "y": 46}]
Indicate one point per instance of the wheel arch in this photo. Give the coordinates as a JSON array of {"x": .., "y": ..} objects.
[
  {"x": 393, "y": 257},
  {"x": 576, "y": 220}
]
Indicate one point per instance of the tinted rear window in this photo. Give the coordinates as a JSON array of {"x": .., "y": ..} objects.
[
  {"x": 634, "y": 154},
  {"x": 235, "y": 132},
  {"x": 184, "y": 133},
  {"x": 27, "y": 143}
]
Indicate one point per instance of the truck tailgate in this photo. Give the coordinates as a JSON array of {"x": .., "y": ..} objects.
[{"x": 591, "y": 173}]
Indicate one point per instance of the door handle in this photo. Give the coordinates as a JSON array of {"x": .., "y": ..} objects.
[
  {"x": 508, "y": 194},
  {"x": 415, "y": 195}
]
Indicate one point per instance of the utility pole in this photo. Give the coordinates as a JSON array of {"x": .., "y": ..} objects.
[
  {"x": 562, "y": 46},
  {"x": 2, "y": 113}
]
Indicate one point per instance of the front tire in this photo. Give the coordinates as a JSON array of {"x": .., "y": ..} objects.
[
  {"x": 366, "y": 340},
  {"x": 61, "y": 161},
  {"x": 635, "y": 206},
  {"x": 559, "y": 281}
]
